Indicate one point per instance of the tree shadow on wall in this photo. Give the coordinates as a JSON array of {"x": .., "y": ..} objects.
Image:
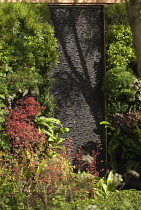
[{"x": 72, "y": 81}]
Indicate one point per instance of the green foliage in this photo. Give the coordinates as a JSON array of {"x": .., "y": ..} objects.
[
  {"x": 2, "y": 111},
  {"x": 124, "y": 147},
  {"x": 4, "y": 143},
  {"x": 3, "y": 136},
  {"x": 119, "y": 43},
  {"x": 27, "y": 51},
  {"x": 118, "y": 83},
  {"x": 116, "y": 14},
  {"x": 107, "y": 185},
  {"x": 120, "y": 78},
  {"x": 121, "y": 200},
  {"x": 52, "y": 128},
  {"x": 122, "y": 90},
  {"x": 120, "y": 51}
]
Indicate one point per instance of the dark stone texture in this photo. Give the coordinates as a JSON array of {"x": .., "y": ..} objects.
[{"x": 79, "y": 73}]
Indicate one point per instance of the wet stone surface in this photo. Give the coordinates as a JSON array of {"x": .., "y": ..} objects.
[{"x": 79, "y": 74}]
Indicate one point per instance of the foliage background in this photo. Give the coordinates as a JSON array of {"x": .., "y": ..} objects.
[
  {"x": 27, "y": 52},
  {"x": 122, "y": 89}
]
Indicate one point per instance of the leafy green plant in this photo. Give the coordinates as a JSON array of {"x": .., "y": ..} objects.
[
  {"x": 116, "y": 14},
  {"x": 120, "y": 51},
  {"x": 52, "y": 128},
  {"x": 122, "y": 90},
  {"x": 120, "y": 200},
  {"x": 121, "y": 76},
  {"x": 118, "y": 84},
  {"x": 2, "y": 111},
  {"x": 27, "y": 52},
  {"x": 107, "y": 185},
  {"x": 124, "y": 146},
  {"x": 3, "y": 136}
]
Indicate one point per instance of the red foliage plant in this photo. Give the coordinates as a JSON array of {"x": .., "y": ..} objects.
[
  {"x": 19, "y": 125},
  {"x": 127, "y": 121}
]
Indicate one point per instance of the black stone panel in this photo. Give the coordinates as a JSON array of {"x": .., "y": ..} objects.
[{"x": 79, "y": 73}]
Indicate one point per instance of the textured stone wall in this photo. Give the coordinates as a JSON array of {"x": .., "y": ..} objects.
[{"x": 79, "y": 74}]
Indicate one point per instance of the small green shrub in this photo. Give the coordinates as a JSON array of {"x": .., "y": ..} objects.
[
  {"x": 119, "y": 44},
  {"x": 122, "y": 90},
  {"x": 116, "y": 14},
  {"x": 120, "y": 77},
  {"x": 118, "y": 84},
  {"x": 107, "y": 185}
]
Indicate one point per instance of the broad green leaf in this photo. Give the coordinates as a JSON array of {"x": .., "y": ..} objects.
[
  {"x": 2, "y": 96},
  {"x": 105, "y": 123},
  {"x": 41, "y": 166},
  {"x": 110, "y": 179}
]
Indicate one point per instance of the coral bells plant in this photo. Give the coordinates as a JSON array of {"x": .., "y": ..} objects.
[
  {"x": 86, "y": 162},
  {"x": 47, "y": 184},
  {"x": 19, "y": 125}
]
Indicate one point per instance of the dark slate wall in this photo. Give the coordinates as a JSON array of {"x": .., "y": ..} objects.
[{"x": 79, "y": 74}]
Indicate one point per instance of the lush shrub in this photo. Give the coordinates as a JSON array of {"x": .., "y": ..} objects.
[
  {"x": 119, "y": 43},
  {"x": 127, "y": 199},
  {"x": 120, "y": 51},
  {"x": 122, "y": 90},
  {"x": 25, "y": 128},
  {"x": 124, "y": 144},
  {"x": 27, "y": 56},
  {"x": 27, "y": 52},
  {"x": 116, "y": 14},
  {"x": 119, "y": 83},
  {"x": 20, "y": 129}
]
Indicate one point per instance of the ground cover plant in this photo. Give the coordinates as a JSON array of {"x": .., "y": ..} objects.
[{"x": 126, "y": 199}]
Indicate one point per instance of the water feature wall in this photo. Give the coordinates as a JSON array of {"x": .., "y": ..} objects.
[{"x": 79, "y": 74}]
